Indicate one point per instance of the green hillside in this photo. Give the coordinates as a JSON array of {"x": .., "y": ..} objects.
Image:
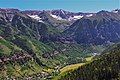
[
  {"x": 37, "y": 57},
  {"x": 103, "y": 67},
  {"x": 36, "y": 50}
]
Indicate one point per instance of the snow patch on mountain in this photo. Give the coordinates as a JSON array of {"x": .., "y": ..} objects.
[
  {"x": 115, "y": 11},
  {"x": 36, "y": 17},
  {"x": 56, "y": 17},
  {"x": 78, "y": 17},
  {"x": 89, "y": 15},
  {"x": 75, "y": 17}
]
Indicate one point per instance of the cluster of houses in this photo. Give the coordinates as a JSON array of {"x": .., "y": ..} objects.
[{"x": 14, "y": 57}]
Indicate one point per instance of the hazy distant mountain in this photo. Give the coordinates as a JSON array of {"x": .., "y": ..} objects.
[{"x": 59, "y": 18}]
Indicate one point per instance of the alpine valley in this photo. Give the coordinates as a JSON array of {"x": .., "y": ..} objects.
[{"x": 59, "y": 45}]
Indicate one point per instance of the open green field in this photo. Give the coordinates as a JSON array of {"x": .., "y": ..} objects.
[{"x": 70, "y": 67}]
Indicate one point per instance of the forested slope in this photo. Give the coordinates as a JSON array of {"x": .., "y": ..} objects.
[{"x": 104, "y": 67}]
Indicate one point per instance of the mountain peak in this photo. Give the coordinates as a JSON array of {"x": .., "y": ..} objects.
[
  {"x": 102, "y": 12},
  {"x": 9, "y": 10}
]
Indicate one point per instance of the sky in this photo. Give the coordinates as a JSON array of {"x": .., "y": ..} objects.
[{"x": 69, "y": 5}]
